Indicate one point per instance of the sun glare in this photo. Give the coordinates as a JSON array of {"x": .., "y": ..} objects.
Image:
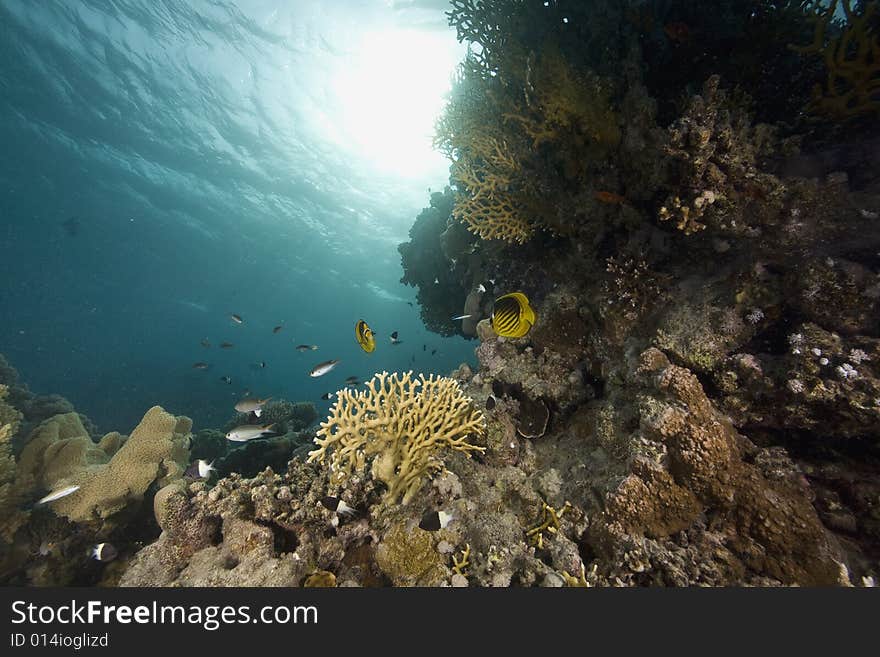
[{"x": 391, "y": 89}]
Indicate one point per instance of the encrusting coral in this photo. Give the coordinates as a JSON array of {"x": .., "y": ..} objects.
[{"x": 402, "y": 424}]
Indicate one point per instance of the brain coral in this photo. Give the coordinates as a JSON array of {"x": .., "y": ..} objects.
[{"x": 401, "y": 422}]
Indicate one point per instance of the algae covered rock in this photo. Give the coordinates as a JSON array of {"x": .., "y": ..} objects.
[
  {"x": 410, "y": 558},
  {"x": 708, "y": 474}
]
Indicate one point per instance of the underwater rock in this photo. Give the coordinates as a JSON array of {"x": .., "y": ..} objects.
[
  {"x": 409, "y": 558},
  {"x": 835, "y": 293},
  {"x": 484, "y": 331},
  {"x": 714, "y": 152},
  {"x": 241, "y": 532},
  {"x": 549, "y": 375},
  {"x": 700, "y": 332},
  {"x": 472, "y": 307},
  {"x": 770, "y": 528},
  {"x": 533, "y": 418}
]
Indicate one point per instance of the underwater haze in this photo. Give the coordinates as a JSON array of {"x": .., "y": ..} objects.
[{"x": 169, "y": 164}]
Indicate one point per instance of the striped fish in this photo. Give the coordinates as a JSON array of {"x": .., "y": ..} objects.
[{"x": 512, "y": 316}]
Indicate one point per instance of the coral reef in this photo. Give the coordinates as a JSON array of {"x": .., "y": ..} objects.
[
  {"x": 518, "y": 139},
  {"x": 208, "y": 444},
  {"x": 692, "y": 471},
  {"x": 242, "y": 532},
  {"x": 49, "y": 544},
  {"x": 401, "y": 424},
  {"x": 436, "y": 272},
  {"x": 12, "y": 516},
  {"x": 715, "y": 150},
  {"x": 254, "y": 456},
  {"x": 698, "y": 400},
  {"x": 290, "y": 419}
]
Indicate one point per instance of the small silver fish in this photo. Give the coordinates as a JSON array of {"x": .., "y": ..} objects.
[
  {"x": 322, "y": 368},
  {"x": 104, "y": 552},
  {"x": 236, "y": 318},
  {"x": 58, "y": 494},
  {"x": 458, "y": 317},
  {"x": 306, "y": 347},
  {"x": 251, "y": 405},
  {"x": 247, "y": 432}
]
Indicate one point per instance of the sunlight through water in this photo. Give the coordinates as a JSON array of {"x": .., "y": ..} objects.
[{"x": 391, "y": 88}]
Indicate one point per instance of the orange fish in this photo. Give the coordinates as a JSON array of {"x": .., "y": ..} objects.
[{"x": 609, "y": 197}]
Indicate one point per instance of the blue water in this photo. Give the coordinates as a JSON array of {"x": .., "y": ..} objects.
[{"x": 169, "y": 163}]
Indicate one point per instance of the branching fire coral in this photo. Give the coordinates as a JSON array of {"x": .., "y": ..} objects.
[
  {"x": 852, "y": 61},
  {"x": 402, "y": 424},
  {"x": 515, "y": 145}
]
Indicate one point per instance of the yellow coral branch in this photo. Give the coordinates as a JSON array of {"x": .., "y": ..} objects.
[
  {"x": 852, "y": 62},
  {"x": 401, "y": 424},
  {"x": 550, "y": 520},
  {"x": 459, "y": 565}
]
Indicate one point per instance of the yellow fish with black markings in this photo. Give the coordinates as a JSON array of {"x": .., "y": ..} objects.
[
  {"x": 512, "y": 317},
  {"x": 365, "y": 337}
]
